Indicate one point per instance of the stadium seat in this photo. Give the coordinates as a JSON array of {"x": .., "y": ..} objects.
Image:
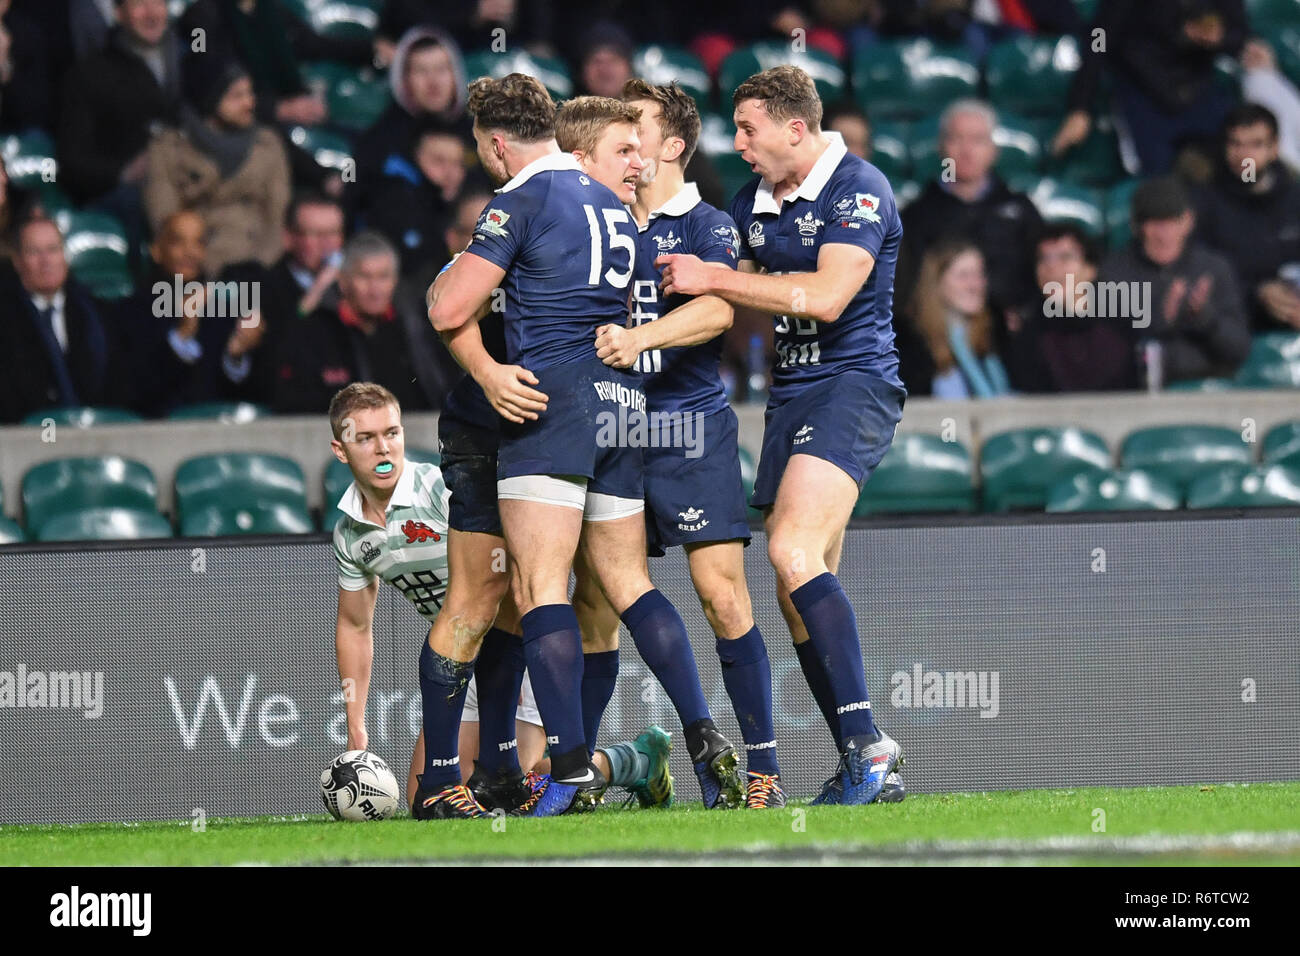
[
  {"x": 905, "y": 192},
  {"x": 889, "y": 150},
  {"x": 1286, "y": 43},
  {"x": 84, "y": 416},
  {"x": 733, "y": 171},
  {"x": 741, "y": 64},
  {"x": 1031, "y": 75},
  {"x": 228, "y": 413},
  {"x": 1094, "y": 162},
  {"x": 235, "y": 483},
  {"x": 910, "y": 79},
  {"x": 97, "y": 252},
  {"x": 1060, "y": 201},
  {"x": 1019, "y": 141},
  {"x": 105, "y": 524},
  {"x": 552, "y": 72},
  {"x": 1273, "y": 362},
  {"x": 29, "y": 159},
  {"x": 1181, "y": 453},
  {"x": 343, "y": 21},
  {"x": 1282, "y": 445},
  {"x": 1019, "y": 467},
  {"x": 329, "y": 149},
  {"x": 358, "y": 100},
  {"x": 919, "y": 473},
  {"x": 74, "y": 484},
  {"x": 1243, "y": 486},
  {"x": 717, "y": 134},
  {"x": 663, "y": 64},
  {"x": 1119, "y": 206},
  {"x": 10, "y": 531},
  {"x": 1114, "y": 491},
  {"x": 1266, "y": 15},
  {"x": 213, "y": 521}
]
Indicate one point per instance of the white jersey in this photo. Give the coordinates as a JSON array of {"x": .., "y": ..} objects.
[{"x": 410, "y": 552}]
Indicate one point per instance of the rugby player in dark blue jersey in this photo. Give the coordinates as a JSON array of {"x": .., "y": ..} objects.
[
  {"x": 820, "y": 234},
  {"x": 694, "y": 494},
  {"x": 562, "y": 248}
]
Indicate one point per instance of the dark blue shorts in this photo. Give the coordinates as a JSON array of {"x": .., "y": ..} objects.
[
  {"x": 848, "y": 421},
  {"x": 469, "y": 467},
  {"x": 694, "y": 493},
  {"x": 588, "y": 430}
]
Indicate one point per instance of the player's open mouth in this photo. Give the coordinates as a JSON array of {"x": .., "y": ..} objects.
[{"x": 384, "y": 469}]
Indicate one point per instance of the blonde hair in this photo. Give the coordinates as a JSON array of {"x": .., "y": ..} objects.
[
  {"x": 359, "y": 396},
  {"x": 580, "y": 122}
]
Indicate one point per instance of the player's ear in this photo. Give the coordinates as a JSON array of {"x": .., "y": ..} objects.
[
  {"x": 673, "y": 148},
  {"x": 336, "y": 446}
]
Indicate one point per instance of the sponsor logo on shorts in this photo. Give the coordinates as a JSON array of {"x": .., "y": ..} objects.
[
  {"x": 418, "y": 531},
  {"x": 803, "y": 435},
  {"x": 691, "y": 520}
]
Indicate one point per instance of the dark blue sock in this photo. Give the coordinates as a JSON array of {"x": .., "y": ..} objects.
[
  {"x": 599, "y": 672},
  {"x": 820, "y": 686},
  {"x": 499, "y": 675},
  {"x": 660, "y": 637},
  {"x": 443, "y": 682},
  {"x": 833, "y": 633},
  {"x": 553, "y": 651},
  {"x": 748, "y": 679}
]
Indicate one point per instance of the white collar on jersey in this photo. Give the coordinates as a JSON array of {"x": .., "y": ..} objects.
[
  {"x": 683, "y": 201},
  {"x": 403, "y": 495},
  {"x": 811, "y": 187},
  {"x": 541, "y": 164}
]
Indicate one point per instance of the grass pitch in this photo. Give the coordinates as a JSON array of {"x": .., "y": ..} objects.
[{"x": 1219, "y": 824}]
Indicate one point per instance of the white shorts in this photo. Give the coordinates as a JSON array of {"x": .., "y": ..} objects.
[
  {"x": 527, "y": 711},
  {"x": 569, "y": 493}
]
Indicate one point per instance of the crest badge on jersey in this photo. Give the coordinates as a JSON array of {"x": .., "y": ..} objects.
[
  {"x": 866, "y": 207},
  {"x": 494, "y": 222}
]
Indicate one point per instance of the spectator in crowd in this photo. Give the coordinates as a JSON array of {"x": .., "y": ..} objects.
[
  {"x": 359, "y": 339},
  {"x": 949, "y": 350},
  {"x": 527, "y": 24},
  {"x": 26, "y": 73},
  {"x": 223, "y": 165},
  {"x": 850, "y": 121},
  {"x": 1197, "y": 322},
  {"x": 89, "y": 23},
  {"x": 1264, "y": 84},
  {"x": 1250, "y": 214},
  {"x": 254, "y": 33},
  {"x": 969, "y": 200},
  {"x": 436, "y": 371},
  {"x": 1162, "y": 55},
  {"x": 429, "y": 87},
  {"x": 55, "y": 349},
  {"x": 412, "y": 209},
  {"x": 304, "y": 277},
  {"x": 1067, "y": 344},
  {"x": 115, "y": 100},
  {"x": 606, "y": 60},
  {"x": 187, "y": 348}
]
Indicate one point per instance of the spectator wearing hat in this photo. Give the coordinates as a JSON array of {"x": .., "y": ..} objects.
[
  {"x": 221, "y": 164},
  {"x": 1190, "y": 312},
  {"x": 1250, "y": 214}
]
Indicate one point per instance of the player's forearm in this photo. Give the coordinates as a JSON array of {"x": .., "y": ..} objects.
[
  {"x": 700, "y": 320},
  {"x": 355, "y": 649},
  {"x": 466, "y": 346},
  {"x": 807, "y": 295}
]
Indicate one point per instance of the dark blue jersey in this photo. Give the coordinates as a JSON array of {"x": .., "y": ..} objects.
[
  {"x": 568, "y": 248},
  {"x": 844, "y": 199},
  {"x": 681, "y": 379},
  {"x": 466, "y": 401}
]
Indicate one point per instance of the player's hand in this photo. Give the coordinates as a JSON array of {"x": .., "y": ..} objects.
[
  {"x": 1281, "y": 301},
  {"x": 617, "y": 346},
  {"x": 506, "y": 388},
  {"x": 1072, "y": 132},
  {"x": 358, "y": 739},
  {"x": 684, "y": 275}
]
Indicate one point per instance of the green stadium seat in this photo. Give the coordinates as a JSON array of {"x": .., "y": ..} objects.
[
  {"x": 328, "y": 149},
  {"x": 213, "y": 521},
  {"x": 1119, "y": 206},
  {"x": 1019, "y": 467},
  {"x": 717, "y": 134},
  {"x": 343, "y": 21},
  {"x": 741, "y": 64},
  {"x": 97, "y": 251},
  {"x": 236, "y": 482},
  {"x": 1094, "y": 162},
  {"x": 10, "y": 532},
  {"x": 1060, "y": 201},
  {"x": 324, "y": 75},
  {"x": 105, "y": 524},
  {"x": 357, "y": 101},
  {"x": 29, "y": 159},
  {"x": 1087, "y": 9},
  {"x": 910, "y": 79},
  {"x": 919, "y": 473},
  {"x": 1243, "y": 486},
  {"x": 1114, "y": 491},
  {"x": 748, "y": 472},
  {"x": 733, "y": 171},
  {"x": 73, "y": 484},
  {"x": 1286, "y": 43},
  {"x": 663, "y": 64},
  {"x": 1182, "y": 453},
  {"x": 551, "y": 71},
  {"x": 228, "y": 413},
  {"x": 1273, "y": 362},
  {"x": 1031, "y": 75},
  {"x": 889, "y": 150},
  {"x": 1265, "y": 15},
  {"x": 84, "y": 416},
  {"x": 905, "y": 192},
  {"x": 1282, "y": 445}
]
